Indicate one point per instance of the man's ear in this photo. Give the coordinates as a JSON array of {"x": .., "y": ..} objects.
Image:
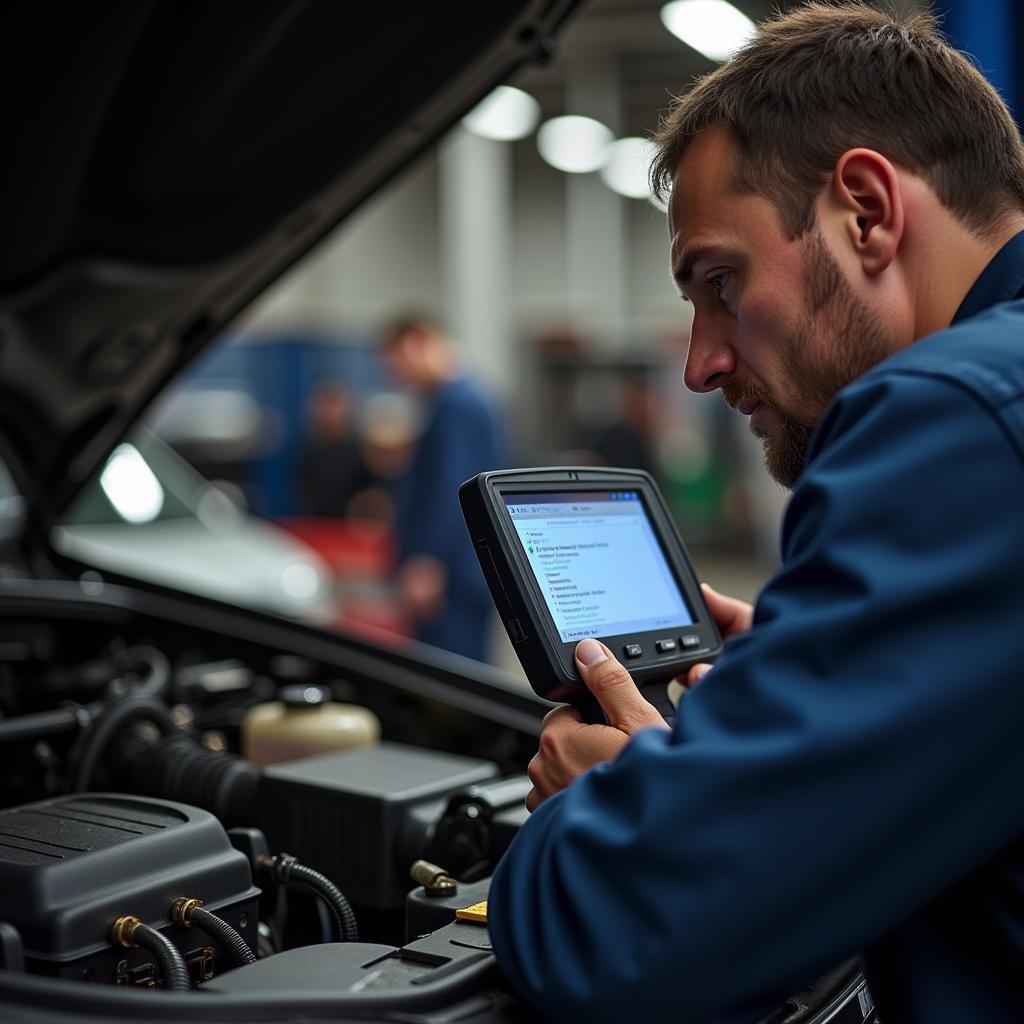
[{"x": 865, "y": 188}]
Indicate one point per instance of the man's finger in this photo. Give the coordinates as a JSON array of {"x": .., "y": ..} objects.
[
  {"x": 536, "y": 775},
  {"x": 561, "y": 716},
  {"x": 614, "y": 688},
  {"x": 697, "y": 673},
  {"x": 731, "y": 615}
]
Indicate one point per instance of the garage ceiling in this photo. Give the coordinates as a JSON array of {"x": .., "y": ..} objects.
[{"x": 628, "y": 35}]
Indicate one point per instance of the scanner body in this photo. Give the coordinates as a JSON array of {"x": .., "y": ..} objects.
[{"x": 571, "y": 552}]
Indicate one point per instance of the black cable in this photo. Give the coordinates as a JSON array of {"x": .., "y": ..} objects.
[
  {"x": 288, "y": 871},
  {"x": 173, "y": 968},
  {"x": 41, "y": 724},
  {"x": 105, "y": 726},
  {"x": 44, "y": 724},
  {"x": 339, "y": 906},
  {"x": 159, "y": 669},
  {"x": 236, "y": 947}
]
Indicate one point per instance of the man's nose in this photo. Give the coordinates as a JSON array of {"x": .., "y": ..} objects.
[{"x": 710, "y": 360}]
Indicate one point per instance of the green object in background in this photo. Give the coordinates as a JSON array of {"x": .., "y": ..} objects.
[{"x": 695, "y": 499}]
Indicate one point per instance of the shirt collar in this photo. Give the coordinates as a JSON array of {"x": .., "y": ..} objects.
[{"x": 1000, "y": 281}]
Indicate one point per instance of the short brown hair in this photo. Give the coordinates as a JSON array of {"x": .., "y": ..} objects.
[
  {"x": 392, "y": 332},
  {"x": 828, "y": 77}
]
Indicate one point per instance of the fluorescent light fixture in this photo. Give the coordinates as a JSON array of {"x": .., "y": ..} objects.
[
  {"x": 574, "y": 144},
  {"x": 505, "y": 115},
  {"x": 628, "y": 166},
  {"x": 131, "y": 485},
  {"x": 713, "y": 27}
]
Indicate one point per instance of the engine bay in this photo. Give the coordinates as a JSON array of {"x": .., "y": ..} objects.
[{"x": 186, "y": 805}]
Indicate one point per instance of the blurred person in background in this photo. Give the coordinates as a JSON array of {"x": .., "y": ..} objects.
[
  {"x": 331, "y": 467},
  {"x": 439, "y": 577}
]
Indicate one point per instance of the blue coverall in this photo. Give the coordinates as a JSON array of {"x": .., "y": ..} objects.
[
  {"x": 463, "y": 436},
  {"x": 850, "y": 775}
]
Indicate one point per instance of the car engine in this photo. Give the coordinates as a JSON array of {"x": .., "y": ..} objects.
[{"x": 141, "y": 848}]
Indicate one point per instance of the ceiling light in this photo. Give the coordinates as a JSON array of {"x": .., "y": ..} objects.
[
  {"x": 628, "y": 167},
  {"x": 574, "y": 144},
  {"x": 131, "y": 486},
  {"x": 505, "y": 115},
  {"x": 713, "y": 27}
]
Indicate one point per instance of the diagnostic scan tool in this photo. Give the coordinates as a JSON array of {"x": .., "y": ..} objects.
[{"x": 570, "y": 553}]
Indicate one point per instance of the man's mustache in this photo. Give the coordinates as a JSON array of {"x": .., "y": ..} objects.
[{"x": 735, "y": 392}]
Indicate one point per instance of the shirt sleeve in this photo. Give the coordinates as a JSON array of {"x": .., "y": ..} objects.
[{"x": 845, "y": 761}]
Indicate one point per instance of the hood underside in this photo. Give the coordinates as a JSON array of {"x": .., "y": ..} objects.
[{"x": 168, "y": 159}]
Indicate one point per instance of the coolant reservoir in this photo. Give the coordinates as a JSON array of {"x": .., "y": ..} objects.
[{"x": 303, "y": 722}]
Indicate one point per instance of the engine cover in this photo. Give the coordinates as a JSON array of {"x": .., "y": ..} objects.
[{"x": 69, "y": 867}]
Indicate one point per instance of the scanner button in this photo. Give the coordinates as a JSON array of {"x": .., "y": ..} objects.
[
  {"x": 690, "y": 641},
  {"x": 516, "y": 633},
  {"x": 665, "y": 646},
  {"x": 633, "y": 650}
]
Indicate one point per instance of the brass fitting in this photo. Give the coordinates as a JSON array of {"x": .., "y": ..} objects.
[
  {"x": 181, "y": 910},
  {"x": 123, "y": 931},
  {"x": 435, "y": 881}
]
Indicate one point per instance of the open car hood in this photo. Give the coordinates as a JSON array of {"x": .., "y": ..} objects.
[{"x": 168, "y": 159}]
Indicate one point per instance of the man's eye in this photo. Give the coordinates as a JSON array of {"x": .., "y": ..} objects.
[{"x": 718, "y": 281}]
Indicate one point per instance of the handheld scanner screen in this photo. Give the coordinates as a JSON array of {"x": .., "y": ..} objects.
[{"x": 598, "y": 563}]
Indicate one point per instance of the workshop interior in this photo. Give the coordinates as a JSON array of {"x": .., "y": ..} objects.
[{"x": 245, "y": 778}]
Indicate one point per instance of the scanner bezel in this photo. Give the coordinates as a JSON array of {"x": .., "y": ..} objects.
[{"x": 549, "y": 662}]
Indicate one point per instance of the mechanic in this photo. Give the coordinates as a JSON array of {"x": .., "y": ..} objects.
[
  {"x": 439, "y": 577},
  {"x": 846, "y": 219}
]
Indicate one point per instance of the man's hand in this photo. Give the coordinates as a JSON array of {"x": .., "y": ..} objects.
[
  {"x": 731, "y": 616},
  {"x": 421, "y": 582},
  {"x": 568, "y": 747}
]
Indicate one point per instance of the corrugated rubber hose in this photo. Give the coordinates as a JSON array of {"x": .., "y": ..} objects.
[
  {"x": 105, "y": 726},
  {"x": 290, "y": 872},
  {"x": 173, "y": 968},
  {"x": 236, "y": 947}
]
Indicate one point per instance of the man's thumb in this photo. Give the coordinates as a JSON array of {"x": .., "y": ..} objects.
[{"x": 614, "y": 688}]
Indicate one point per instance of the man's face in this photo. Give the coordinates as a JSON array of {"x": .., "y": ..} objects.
[
  {"x": 776, "y": 325},
  {"x": 400, "y": 362}
]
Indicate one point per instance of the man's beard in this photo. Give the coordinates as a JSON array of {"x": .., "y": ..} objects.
[{"x": 816, "y": 372}]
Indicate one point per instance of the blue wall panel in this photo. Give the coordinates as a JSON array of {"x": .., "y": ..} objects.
[
  {"x": 280, "y": 371},
  {"x": 990, "y": 32}
]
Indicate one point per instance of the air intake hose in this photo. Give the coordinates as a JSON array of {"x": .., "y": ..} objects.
[{"x": 177, "y": 768}]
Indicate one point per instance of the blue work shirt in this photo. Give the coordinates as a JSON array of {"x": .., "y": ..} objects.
[
  {"x": 850, "y": 775},
  {"x": 463, "y": 436}
]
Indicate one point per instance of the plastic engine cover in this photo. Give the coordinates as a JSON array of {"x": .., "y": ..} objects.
[{"x": 69, "y": 867}]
